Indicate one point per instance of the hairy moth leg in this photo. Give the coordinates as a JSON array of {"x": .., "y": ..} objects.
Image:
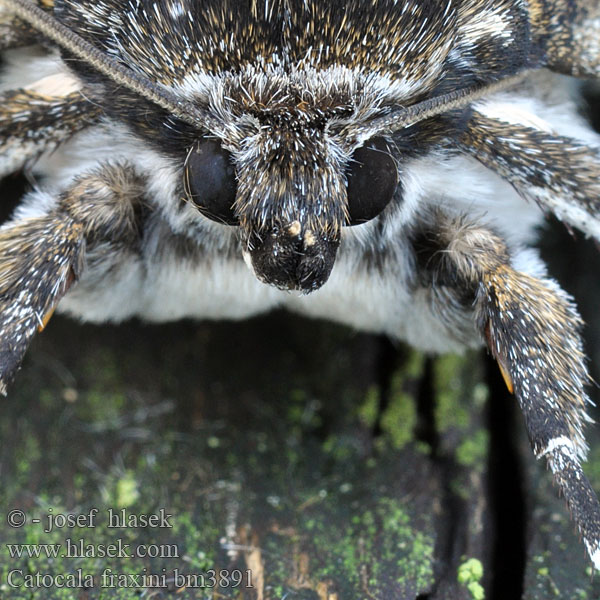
[
  {"x": 532, "y": 329},
  {"x": 14, "y": 32},
  {"x": 37, "y": 119},
  {"x": 568, "y": 32},
  {"x": 41, "y": 257},
  {"x": 561, "y": 174}
]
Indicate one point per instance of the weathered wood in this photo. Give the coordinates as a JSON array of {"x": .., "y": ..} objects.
[
  {"x": 259, "y": 439},
  {"x": 268, "y": 444}
]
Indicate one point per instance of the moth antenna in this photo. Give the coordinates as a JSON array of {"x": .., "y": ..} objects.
[
  {"x": 457, "y": 99},
  {"x": 53, "y": 29}
]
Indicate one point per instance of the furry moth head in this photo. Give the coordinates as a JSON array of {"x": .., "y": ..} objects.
[{"x": 298, "y": 103}]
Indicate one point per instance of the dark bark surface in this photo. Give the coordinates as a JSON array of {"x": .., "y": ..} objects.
[{"x": 328, "y": 464}]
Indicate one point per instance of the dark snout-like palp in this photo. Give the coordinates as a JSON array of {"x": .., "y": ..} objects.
[{"x": 292, "y": 257}]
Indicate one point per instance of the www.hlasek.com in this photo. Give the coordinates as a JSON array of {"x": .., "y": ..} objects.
[{"x": 81, "y": 549}]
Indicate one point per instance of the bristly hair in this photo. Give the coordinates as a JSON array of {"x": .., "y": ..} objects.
[
  {"x": 380, "y": 58},
  {"x": 400, "y": 54},
  {"x": 418, "y": 43}
]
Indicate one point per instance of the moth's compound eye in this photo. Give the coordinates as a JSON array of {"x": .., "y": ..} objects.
[
  {"x": 210, "y": 181},
  {"x": 372, "y": 180}
]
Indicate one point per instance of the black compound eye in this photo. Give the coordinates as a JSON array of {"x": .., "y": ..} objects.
[
  {"x": 372, "y": 180},
  {"x": 210, "y": 181}
]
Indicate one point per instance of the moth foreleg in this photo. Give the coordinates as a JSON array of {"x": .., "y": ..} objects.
[
  {"x": 532, "y": 328},
  {"x": 559, "y": 173},
  {"x": 14, "y": 32},
  {"x": 37, "y": 119},
  {"x": 42, "y": 256},
  {"x": 568, "y": 34}
]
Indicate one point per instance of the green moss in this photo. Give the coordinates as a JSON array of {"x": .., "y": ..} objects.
[
  {"x": 542, "y": 583},
  {"x": 470, "y": 570},
  {"x": 27, "y": 454},
  {"x": 470, "y": 573},
  {"x": 102, "y": 408},
  {"x": 369, "y": 409},
  {"x": 414, "y": 366},
  {"x": 459, "y": 390},
  {"x": 290, "y": 464},
  {"x": 592, "y": 466},
  {"x": 126, "y": 492},
  {"x": 473, "y": 450},
  {"x": 103, "y": 369},
  {"x": 480, "y": 393},
  {"x": 476, "y": 590},
  {"x": 399, "y": 419},
  {"x": 380, "y": 541},
  {"x": 450, "y": 410},
  {"x": 199, "y": 537}
]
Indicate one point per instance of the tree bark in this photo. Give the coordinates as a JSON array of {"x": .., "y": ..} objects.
[{"x": 326, "y": 464}]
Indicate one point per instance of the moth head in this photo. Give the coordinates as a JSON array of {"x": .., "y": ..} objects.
[
  {"x": 289, "y": 145},
  {"x": 291, "y": 186}
]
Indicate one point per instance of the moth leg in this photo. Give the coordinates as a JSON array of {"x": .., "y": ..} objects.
[
  {"x": 532, "y": 328},
  {"x": 42, "y": 257},
  {"x": 38, "y": 118},
  {"x": 14, "y": 32},
  {"x": 559, "y": 173},
  {"x": 568, "y": 33}
]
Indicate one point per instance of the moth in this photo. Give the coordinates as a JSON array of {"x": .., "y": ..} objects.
[{"x": 382, "y": 163}]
